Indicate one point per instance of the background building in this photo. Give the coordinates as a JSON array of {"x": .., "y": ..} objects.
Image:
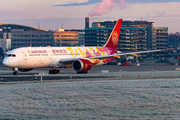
[
  {"x": 66, "y": 38},
  {"x": 14, "y": 36},
  {"x": 21, "y": 38},
  {"x": 160, "y": 40},
  {"x": 5, "y": 39},
  {"x": 81, "y": 39},
  {"x": 134, "y": 36}
]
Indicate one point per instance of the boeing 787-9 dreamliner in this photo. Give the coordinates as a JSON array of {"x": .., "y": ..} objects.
[{"x": 81, "y": 59}]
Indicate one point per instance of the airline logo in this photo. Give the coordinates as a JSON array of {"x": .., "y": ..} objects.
[
  {"x": 55, "y": 51},
  {"x": 37, "y": 51},
  {"x": 115, "y": 38},
  {"x": 59, "y": 51}
]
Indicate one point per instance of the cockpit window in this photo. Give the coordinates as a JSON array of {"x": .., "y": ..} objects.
[{"x": 11, "y": 55}]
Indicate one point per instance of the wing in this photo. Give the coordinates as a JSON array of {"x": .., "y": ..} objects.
[
  {"x": 129, "y": 53},
  {"x": 70, "y": 60}
]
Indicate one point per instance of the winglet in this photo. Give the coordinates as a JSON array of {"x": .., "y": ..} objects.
[{"x": 114, "y": 37}]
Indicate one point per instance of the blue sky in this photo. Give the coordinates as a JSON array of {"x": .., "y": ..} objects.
[{"x": 51, "y": 13}]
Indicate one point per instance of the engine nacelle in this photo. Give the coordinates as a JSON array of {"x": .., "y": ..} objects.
[
  {"x": 81, "y": 65},
  {"x": 25, "y": 69}
]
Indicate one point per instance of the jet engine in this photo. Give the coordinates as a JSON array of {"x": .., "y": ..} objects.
[
  {"x": 25, "y": 69},
  {"x": 81, "y": 65}
]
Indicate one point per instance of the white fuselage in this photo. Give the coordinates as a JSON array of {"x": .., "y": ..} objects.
[{"x": 41, "y": 57}]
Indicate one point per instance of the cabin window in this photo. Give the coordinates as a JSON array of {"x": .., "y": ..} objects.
[
  {"x": 11, "y": 55},
  {"x": 34, "y": 54},
  {"x": 44, "y": 54}
]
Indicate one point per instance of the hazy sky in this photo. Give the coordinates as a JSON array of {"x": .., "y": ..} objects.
[{"x": 51, "y": 13}]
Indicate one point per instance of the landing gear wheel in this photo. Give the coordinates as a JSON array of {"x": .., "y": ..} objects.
[
  {"x": 54, "y": 71},
  {"x": 58, "y": 71},
  {"x": 50, "y": 71},
  {"x": 82, "y": 72},
  {"x": 15, "y": 73}
]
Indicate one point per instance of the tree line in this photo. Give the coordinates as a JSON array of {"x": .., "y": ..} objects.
[{"x": 174, "y": 40}]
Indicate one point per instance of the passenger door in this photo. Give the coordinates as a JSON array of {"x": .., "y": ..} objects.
[
  {"x": 50, "y": 55},
  {"x": 24, "y": 55}
]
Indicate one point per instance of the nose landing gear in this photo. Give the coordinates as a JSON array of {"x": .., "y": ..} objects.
[{"x": 15, "y": 71}]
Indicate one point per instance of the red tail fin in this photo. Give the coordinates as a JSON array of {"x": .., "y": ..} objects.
[{"x": 114, "y": 37}]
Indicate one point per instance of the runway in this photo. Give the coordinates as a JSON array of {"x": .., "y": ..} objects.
[
  {"x": 97, "y": 69},
  {"x": 114, "y": 72}
]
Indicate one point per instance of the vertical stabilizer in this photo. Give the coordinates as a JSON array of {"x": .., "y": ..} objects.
[{"x": 114, "y": 37}]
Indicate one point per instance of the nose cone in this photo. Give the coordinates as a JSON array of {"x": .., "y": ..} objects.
[{"x": 6, "y": 62}]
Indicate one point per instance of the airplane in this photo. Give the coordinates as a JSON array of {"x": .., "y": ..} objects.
[{"x": 81, "y": 59}]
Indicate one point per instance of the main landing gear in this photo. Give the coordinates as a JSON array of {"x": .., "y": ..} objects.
[
  {"x": 85, "y": 72},
  {"x": 54, "y": 71}
]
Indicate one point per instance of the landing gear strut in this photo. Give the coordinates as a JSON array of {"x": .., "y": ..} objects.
[
  {"x": 54, "y": 71},
  {"x": 15, "y": 71}
]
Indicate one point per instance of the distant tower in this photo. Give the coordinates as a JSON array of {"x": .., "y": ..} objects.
[{"x": 87, "y": 22}]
